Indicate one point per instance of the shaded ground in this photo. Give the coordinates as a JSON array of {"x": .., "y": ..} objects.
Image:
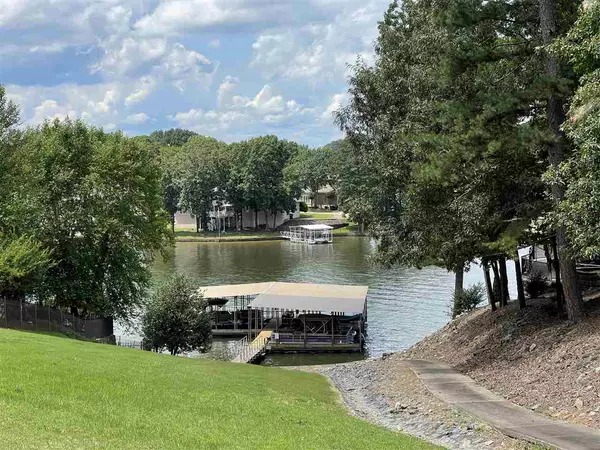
[{"x": 529, "y": 357}]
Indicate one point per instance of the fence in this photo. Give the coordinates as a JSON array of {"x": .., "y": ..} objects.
[{"x": 31, "y": 316}]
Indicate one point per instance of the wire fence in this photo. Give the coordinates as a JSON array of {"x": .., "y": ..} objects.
[{"x": 22, "y": 315}]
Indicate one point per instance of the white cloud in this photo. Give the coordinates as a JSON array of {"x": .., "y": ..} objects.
[
  {"x": 215, "y": 43},
  {"x": 145, "y": 87},
  {"x": 337, "y": 101},
  {"x": 177, "y": 16},
  {"x": 97, "y": 104},
  {"x": 238, "y": 113},
  {"x": 320, "y": 52},
  {"x": 137, "y": 119}
]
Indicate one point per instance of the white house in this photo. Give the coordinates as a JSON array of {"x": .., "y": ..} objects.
[
  {"x": 225, "y": 216},
  {"x": 324, "y": 198}
]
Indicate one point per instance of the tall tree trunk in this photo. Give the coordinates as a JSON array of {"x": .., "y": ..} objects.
[
  {"x": 197, "y": 224},
  {"x": 256, "y": 219},
  {"x": 519, "y": 276},
  {"x": 173, "y": 222},
  {"x": 242, "y": 220},
  {"x": 503, "y": 281},
  {"x": 459, "y": 276},
  {"x": 560, "y": 301},
  {"x": 497, "y": 285},
  {"x": 556, "y": 155},
  {"x": 274, "y": 220},
  {"x": 488, "y": 283}
]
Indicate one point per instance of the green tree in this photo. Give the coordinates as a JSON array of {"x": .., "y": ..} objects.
[
  {"x": 175, "y": 137},
  {"x": 98, "y": 209},
  {"x": 203, "y": 181},
  {"x": 579, "y": 210},
  {"x": 23, "y": 262},
  {"x": 176, "y": 318},
  {"x": 264, "y": 173}
]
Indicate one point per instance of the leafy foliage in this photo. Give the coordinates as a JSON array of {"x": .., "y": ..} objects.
[
  {"x": 91, "y": 201},
  {"x": 176, "y": 318},
  {"x": 175, "y": 137},
  {"x": 23, "y": 261},
  {"x": 468, "y": 299},
  {"x": 536, "y": 285}
]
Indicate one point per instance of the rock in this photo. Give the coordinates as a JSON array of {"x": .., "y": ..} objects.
[
  {"x": 536, "y": 406},
  {"x": 488, "y": 443},
  {"x": 398, "y": 407},
  {"x": 532, "y": 347},
  {"x": 578, "y": 403},
  {"x": 596, "y": 369},
  {"x": 386, "y": 356},
  {"x": 592, "y": 413},
  {"x": 471, "y": 427}
]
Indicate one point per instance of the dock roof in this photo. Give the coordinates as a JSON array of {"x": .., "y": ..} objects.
[{"x": 326, "y": 298}]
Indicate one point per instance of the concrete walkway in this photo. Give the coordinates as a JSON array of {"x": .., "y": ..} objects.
[{"x": 512, "y": 420}]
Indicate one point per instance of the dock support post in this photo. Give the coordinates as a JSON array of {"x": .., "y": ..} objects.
[
  {"x": 249, "y": 324},
  {"x": 360, "y": 333},
  {"x": 235, "y": 313},
  {"x": 304, "y": 320},
  {"x": 332, "y": 331}
]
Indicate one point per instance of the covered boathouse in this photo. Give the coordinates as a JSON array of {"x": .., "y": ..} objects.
[{"x": 284, "y": 317}]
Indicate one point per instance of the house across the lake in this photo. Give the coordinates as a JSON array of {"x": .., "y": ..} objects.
[
  {"x": 224, "y": 216},
  {"x": 324, "y": 198}
]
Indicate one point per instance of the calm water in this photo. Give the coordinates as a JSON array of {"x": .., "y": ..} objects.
[{"x": 404, "y": 304}]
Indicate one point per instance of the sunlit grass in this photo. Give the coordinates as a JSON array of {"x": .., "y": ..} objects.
[{"x": 59, "y": 393}]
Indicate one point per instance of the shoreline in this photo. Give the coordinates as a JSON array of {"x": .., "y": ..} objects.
[
  {"x": 248, "y": 238},
  {"x": 401, "y": 403}
]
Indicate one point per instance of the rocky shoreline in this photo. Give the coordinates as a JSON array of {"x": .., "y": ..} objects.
[{"x": 393, "y": 397}]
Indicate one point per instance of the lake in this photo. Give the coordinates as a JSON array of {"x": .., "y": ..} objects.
[{"x": 405, "y": 304}]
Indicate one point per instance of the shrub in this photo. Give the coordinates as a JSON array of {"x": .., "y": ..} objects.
[
  {"x": 176, "y": 318},
  {"x": 303, "y": 207},
  {"x": 468, "y": 299},
  {"x": 536, "y": 285}
]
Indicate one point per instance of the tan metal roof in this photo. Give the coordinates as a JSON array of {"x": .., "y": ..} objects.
[
  {"x": 327, "y": 298},
  {"x": 235, "y": 290}
]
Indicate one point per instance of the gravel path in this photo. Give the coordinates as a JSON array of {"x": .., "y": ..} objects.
[{"x": 393, "y": 397}]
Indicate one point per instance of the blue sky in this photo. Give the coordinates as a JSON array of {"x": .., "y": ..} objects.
[{"x": 231, "y": 69}]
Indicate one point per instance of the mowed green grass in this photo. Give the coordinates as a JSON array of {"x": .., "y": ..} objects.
[{"x": 59, "y": 393}]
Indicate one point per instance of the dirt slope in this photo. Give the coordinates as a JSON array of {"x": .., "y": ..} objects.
[{"x": 528, "y": 356}]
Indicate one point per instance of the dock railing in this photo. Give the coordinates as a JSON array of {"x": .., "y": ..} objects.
[{"x": 248, "y": 351}]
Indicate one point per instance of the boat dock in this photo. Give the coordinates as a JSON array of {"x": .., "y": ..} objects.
[
  {"x": 288, "y": 317},
  {"x": 309, "y": 234}
]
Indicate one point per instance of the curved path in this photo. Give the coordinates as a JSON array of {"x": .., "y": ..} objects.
[{"x": 512, "y": 420}]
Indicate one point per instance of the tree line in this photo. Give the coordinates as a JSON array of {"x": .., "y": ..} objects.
[
  {"x": 260, "y": 174},
  {"x": 474, "y": 133}
]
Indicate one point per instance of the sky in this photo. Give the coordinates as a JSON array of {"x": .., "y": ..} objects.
[{"x": 231, "y": 69}]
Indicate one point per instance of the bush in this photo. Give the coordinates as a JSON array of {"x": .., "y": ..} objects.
[
  {"x": 536, "y": 285},
  {"x": 176, "y": 318},
  {"x": 303, "y": 207},
  {"x": 468, "y": 299}
]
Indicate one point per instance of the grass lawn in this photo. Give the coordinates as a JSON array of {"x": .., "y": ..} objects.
[
  {"x": 317, "y": 215},
  {"x": 348, "y": 229},
  {"x": 60, "y": 393}
]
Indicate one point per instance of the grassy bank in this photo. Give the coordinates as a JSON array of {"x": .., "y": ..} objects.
[
  {"x": 231, "y": 236},
  {"x": 241, "y": 236},
  {"x": 59, "y": 393}
]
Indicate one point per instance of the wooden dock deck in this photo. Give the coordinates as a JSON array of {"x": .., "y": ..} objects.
[{"x": 248, "y": 352}]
